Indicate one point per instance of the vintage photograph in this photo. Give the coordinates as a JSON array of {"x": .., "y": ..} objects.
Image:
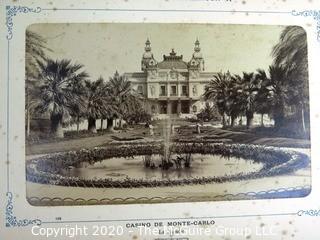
[{"x": 120, "y": 113}]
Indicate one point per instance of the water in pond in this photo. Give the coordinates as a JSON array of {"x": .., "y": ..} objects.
[{"x": 201, "y": 166}]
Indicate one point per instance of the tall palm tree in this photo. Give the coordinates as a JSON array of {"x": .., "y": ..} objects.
[
  {"x": 97, "y": 102},
  {"x": 263, "y": 105},
  {"x": 249, "y": 91},
  {"x": 78, "y": 109},
  {"x": 235, "y": 102},
  {"x": 58, "y": 96},
  {"x": 123, "y": 96},
  {"x": 278, "y": 93},
  {"x": 217, "y": 91},
  {"x": 291, "y": 54},
  {"x": 36, "y": 50},
  {"x": 291, "y": 50}
]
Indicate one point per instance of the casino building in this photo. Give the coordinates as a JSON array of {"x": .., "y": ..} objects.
[{"x": 171, "y": 86}]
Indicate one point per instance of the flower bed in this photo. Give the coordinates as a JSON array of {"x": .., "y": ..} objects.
[{"x": 46, "y": 169}]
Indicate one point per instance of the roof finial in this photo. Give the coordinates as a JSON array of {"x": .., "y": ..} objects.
[{"x": 173, "y": 53}]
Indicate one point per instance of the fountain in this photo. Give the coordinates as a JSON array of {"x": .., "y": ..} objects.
[{"x": 167, "y": 161}]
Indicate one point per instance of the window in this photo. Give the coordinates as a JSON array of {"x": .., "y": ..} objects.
[
  {"x": 194, "y": 109},
  {"x": 163, "y": 91},
  {"x": 184, "y": 90},
  {"x": 173, "y": 91},
  {"x": 140, "y": 89}
]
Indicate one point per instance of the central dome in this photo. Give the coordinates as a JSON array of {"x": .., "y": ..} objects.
[{"x": 172, "y": 61}]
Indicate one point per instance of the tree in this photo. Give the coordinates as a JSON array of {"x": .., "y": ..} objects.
[
  {"x": 97, "y": 102},
  {"x": 58, "y": 94},
  {"x": 292, "y": 49},
  {"x": 278, "y": 93},
  {"x": 291, "y": 54},
  {"x": 217, "y": 91},
  {"x": 263, "y": 103},
  {"x": 235, "y": 103},
  {"x": 35, "y": 51},
  {"x": 124, "y": 97},
  {"x": 249, "y": 90}
]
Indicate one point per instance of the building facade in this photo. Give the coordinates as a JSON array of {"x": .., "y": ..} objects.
[{"x": 172, "y": 86}]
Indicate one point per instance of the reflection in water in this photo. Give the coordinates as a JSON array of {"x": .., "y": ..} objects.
[{"x": 201, "y": 166}]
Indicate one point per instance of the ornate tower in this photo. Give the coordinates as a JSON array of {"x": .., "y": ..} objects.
[
  {"x": 147, "y": 58},
  {"x": 197, "y": 62}
]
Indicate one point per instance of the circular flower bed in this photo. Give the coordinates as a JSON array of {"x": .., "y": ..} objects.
[{"x": 276, "y": 161}]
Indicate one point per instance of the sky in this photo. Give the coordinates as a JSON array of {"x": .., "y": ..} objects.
[{"x": 104, "y": 48}]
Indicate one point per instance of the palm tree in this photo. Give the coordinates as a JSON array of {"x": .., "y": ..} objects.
[
  {"x": 35, "y": 51},
  {"x": 292, "y": 49},
  {"x": 278, "y": 93},
  {"x": 98, "y": 102},
  {"x": 58, "y": 94},
  {"x": 291, "y": 54},
  {"x": 248, "y": 92},
  {"x": 78, "y": 109},
  {"x": 235, "y": 102},
  {"x": 217, "y": 91},
  {"x": 263, "y": 104},
  {"x": 122, "y": 96}
]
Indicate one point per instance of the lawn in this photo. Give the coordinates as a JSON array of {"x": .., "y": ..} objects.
[{"x": 186, "y": 131}]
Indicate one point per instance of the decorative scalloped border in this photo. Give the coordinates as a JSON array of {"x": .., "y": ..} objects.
[
  {"x": 12, "y": 11},
  {"x": 81, "y": 201}
]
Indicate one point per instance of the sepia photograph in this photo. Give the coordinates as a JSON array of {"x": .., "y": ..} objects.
[{"x": 126, "y": 113}]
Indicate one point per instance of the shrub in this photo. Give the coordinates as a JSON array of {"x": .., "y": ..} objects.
[
  {"x": 136, "y": 117},
  {"x": 209, "y": 114}
]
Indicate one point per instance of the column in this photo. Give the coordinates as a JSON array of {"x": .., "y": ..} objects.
[{"x": 168, "y": 107}]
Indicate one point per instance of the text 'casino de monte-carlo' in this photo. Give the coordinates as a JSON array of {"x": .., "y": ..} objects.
[{"x": 172, "y": 86}]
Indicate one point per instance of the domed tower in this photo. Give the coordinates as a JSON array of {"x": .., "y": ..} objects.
[
  {"x": 147, "y": 57},
  {"x": 197, "y": 62}
]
